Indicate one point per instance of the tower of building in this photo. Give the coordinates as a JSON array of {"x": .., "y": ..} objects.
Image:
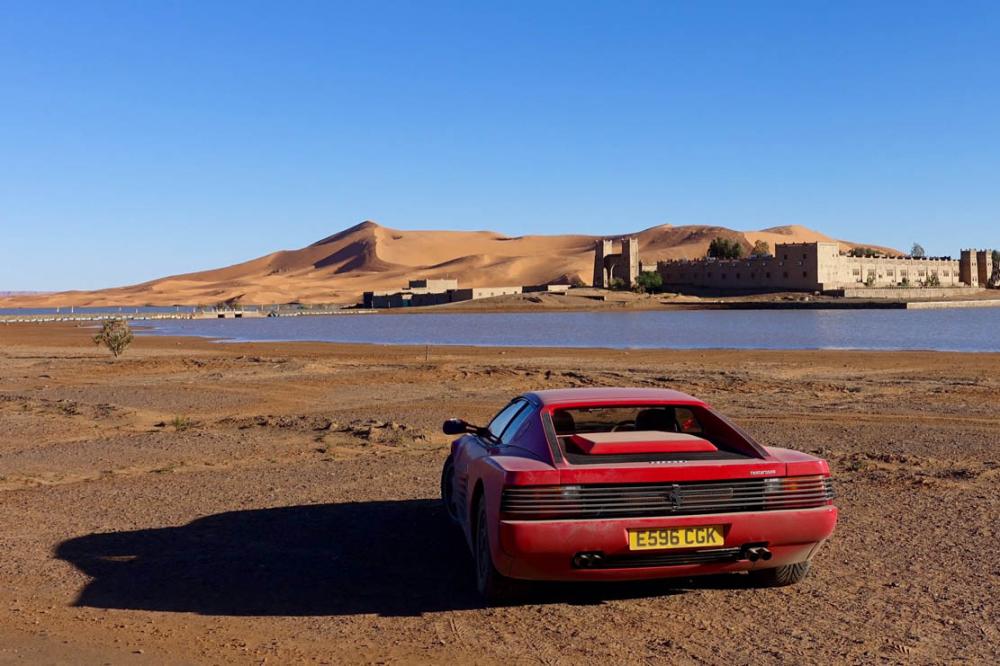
[
  {"x": 621, "y": 265},
  {"x": 968, "y": 268}
]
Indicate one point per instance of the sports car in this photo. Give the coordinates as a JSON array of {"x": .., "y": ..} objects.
[{"x": 610, "y": 484}]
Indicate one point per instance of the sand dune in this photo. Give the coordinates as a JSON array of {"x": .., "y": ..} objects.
[{"x": 368, "y": 256}]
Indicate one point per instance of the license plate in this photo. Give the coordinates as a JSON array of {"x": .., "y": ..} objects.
[{"x": 675, "y": 537}]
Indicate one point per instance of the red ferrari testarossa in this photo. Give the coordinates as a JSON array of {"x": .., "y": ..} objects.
[{"x": 624, "y": 484}]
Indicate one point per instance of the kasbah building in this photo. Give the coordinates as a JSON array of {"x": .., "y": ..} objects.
[{"x": 814, "y": 267}]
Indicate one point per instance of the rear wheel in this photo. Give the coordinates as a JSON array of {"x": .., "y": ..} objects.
[
  {"x": 492, "y": 585},
  {"x": 789, "y": 574}
]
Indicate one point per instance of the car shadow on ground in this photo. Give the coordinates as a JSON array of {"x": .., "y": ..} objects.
[{"x": 389, "y": 558}]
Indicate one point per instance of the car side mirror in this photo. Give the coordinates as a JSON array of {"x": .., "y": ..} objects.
[{"x": 457, "y": 427}]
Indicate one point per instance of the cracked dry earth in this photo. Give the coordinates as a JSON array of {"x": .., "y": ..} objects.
[{"x": 276, "y": 503}]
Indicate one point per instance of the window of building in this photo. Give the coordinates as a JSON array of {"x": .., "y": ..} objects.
[
  {"x": 890, "y": 272},
  {"x": 786, "y": 257},
  {"x": 946, "y": 273},
  {"x": 856, "y": 272},
  {"x": 768, "y": 276},
  {"x": 786, "y": 274},
  {"x": 805, "y": 274},
  {"x": 903, "y": 272},
  {"x": 737, "y": 276},
  {"x": 922, "y": 273}
]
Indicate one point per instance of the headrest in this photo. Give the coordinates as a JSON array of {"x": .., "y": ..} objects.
[
  {"x": 661, "y": 419},
  {"x": 563, "y": 422}
]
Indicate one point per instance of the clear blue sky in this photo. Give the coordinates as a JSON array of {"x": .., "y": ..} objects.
[{"x": 139, "y": 139}]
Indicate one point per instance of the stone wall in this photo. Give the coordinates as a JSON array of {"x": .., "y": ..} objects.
[
  {"x": 473, "y": 293},
  {"x": 420, "y": 297},
  {"x": 903, "y": 293},
  {"x": 893, "y": 271},
  {"x": 808, "y": 267},
  {"x": 434, "y": 286},
  {"x": 794, "y": 267}
]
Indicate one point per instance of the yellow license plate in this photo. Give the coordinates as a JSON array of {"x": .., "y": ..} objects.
[{"x": 675, "y": 537}]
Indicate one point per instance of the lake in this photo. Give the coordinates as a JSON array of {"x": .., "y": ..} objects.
[{"x": 960, "y": 329}]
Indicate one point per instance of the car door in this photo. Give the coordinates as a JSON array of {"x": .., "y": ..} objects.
[{"x": 476, "y": 447}]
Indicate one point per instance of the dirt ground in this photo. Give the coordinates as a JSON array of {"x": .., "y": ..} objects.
[{"x": 195, "y": 502}]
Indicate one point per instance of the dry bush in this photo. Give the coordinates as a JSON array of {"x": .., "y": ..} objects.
[{"x": 116, "y": 335}]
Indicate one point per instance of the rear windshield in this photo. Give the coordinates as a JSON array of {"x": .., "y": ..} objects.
[{"x": 687, "y": 419}]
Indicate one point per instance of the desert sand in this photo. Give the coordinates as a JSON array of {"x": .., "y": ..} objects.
[
  {"x": 370, "y": 257},
  {"x": 195, "y": 502}
]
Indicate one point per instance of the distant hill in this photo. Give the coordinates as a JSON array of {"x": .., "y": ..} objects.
[{"x": 368, "y": 256}]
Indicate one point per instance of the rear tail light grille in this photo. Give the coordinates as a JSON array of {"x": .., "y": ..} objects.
[{"x": 664, "y": 499}]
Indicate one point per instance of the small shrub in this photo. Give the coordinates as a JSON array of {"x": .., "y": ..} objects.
[
  {"x": 617, "y": 284},
  {"x": 870, "y": 280},
  {"x": 116, "y": 335},
  {"x": 723, "y": 248},
  {"x": 649, "y": 282},
  {"x": 933, "y": 281},
  {"x": 917, "y": 252},
  {"x": 761, "y": 249},
  {"x": 181, "y": 423}
]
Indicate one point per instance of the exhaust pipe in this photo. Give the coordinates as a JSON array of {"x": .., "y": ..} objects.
[
  {"x": 587, "y": 560},
  {"x": 757, "y": 551}
]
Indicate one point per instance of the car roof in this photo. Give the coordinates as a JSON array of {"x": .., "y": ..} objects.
[{"x": 617, "y": 394}]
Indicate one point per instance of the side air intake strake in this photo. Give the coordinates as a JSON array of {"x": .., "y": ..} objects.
[{"x": 664, "y": 499}]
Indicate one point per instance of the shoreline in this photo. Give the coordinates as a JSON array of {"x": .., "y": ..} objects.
[{"x": 582, "y": 300}]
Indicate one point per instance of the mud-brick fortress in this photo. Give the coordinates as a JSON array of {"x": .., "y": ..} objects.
[
  {"x": 819, "y": 266},
  {"x": 822, "y": 267}
]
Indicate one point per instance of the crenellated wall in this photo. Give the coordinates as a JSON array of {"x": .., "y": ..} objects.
[{"x": 812, "y": 267}]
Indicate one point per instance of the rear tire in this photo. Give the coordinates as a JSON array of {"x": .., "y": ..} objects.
[
  {"x": 789, "y": 574},
  {"x": 448, "y": 489},
  {"x": 494, "y": 587}
]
